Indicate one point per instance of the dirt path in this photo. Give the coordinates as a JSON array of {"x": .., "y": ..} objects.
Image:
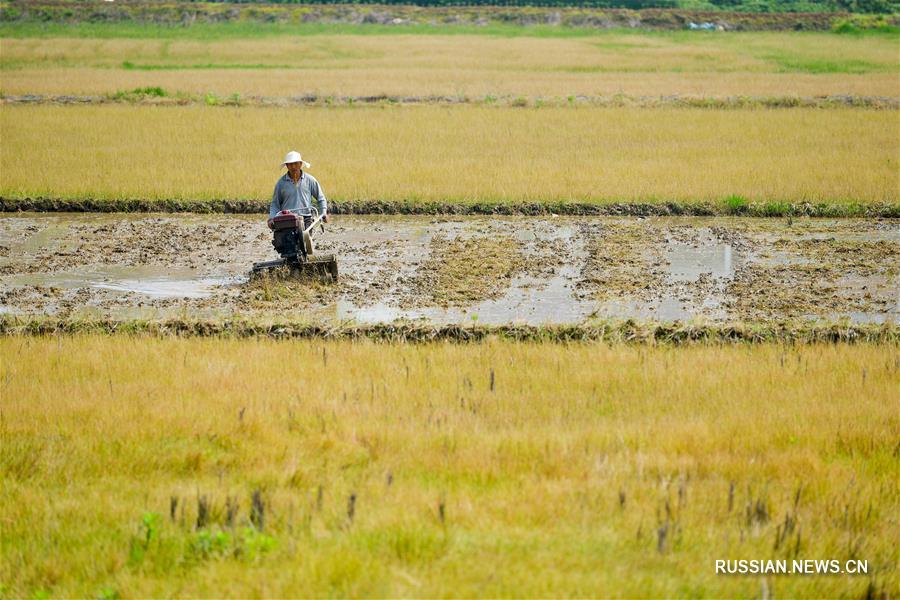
[{"x": 456, "y": 270}]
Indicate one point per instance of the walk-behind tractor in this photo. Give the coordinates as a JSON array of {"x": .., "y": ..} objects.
[{"x": 294, "y": 243}]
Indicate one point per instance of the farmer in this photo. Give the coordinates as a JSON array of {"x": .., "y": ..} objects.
[{"x": 295, "y": 191}]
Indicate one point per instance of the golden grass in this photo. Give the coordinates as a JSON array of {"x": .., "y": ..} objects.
[
  {"x": 465, "y": 153},
  {"x": 586, "y": 470},
  {"x": 756, "y": 64}
]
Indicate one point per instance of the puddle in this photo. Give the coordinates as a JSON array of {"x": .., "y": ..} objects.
[
  {"x": 688, "y": 263},
  {"x": 667, "y": 309},
  {"x": 528, "y": 301},
  {"x": 169, "y": 288},
  {"x": 152, "y": 282}
]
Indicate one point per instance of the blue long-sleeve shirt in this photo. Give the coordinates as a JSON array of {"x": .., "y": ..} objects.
[{"x": 297, "y": 198}]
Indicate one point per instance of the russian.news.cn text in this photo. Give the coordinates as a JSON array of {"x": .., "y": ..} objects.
[{"x": 792, "y": 567}]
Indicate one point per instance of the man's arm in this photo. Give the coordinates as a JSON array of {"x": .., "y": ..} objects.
[
  {"x": 275, "y": 207},
  {"x": 323, "y": 202}
]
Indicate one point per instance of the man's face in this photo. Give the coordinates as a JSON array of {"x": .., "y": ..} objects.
[{"x": 294, "y": 169}]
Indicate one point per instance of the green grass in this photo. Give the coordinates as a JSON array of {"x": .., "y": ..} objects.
[
  {"x": 736, "y": 205},
  {"x": 140, "y": 93},
  {"x": 798, "y": 64}
]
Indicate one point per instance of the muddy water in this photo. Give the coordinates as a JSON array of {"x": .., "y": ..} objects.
[{"x": 501, "y": 270}]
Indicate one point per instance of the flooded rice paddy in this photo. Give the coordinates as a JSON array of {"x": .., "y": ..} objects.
[{"x": 489, "y": 270}]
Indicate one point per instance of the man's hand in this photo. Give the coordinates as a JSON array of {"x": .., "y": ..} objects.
[
  {"x": 325, "y": 218},
  {"x": 269, "y": 223}
]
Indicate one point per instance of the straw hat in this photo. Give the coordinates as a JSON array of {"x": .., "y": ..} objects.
[{"x": 294, "y": 156}]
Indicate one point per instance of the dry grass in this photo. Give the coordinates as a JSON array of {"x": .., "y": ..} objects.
[
  {"x": 491, "y": 469},
  {"x": 453, "y": 154},
  {"x": 755, "y": 64}
]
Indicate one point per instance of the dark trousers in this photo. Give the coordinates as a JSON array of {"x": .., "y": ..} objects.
[{"x": 307, "y": 221}]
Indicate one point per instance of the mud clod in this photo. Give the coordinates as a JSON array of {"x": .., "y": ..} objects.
[{"x": 463, "y": 272}]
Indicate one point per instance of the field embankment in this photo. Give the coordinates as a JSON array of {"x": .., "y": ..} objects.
[
  {"x": 467, "y": 154},
  {"x": 614, "y": 333},
  {"x": 153, "y": 96},
  {"x": 202, "y": 19},
  {"x": 730, "y": 206},
  {"x": 150, "y": 467}
]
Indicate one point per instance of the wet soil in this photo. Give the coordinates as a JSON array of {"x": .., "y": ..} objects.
[{"x": 444, "y": 270}]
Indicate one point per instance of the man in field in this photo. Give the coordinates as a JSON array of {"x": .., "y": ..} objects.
[{"x": 295, "y": 191}]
